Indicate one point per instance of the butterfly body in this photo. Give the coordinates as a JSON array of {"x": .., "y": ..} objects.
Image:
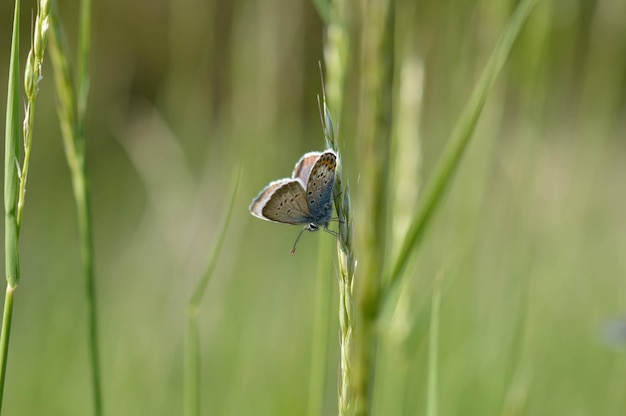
[{"x": 305, "y": 198}]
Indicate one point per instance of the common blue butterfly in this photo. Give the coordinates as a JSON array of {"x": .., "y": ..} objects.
[{"x": 305, "y": 198}]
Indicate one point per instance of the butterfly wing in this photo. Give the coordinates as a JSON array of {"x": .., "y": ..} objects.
[
  {"x": 319, "y": 189},
  {"x": 304, "y": 166},
  {"x": 256, "y": 207},
  {"x": 288, "y": 205}
]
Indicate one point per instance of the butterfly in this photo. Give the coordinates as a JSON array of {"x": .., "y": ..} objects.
[{"x": 305, "y": 198}]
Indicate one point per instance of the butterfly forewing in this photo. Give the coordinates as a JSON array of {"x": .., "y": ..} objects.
[
  {"x": 288, "y": 205},
  {"x": 320, "y": 187}
]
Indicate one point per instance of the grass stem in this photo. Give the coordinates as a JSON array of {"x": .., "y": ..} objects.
[
  {"x": 7, "y": 316},
  {"x": 14, "y": 177},
  {"x": 71, "y": 109},
  {"x": 347, "y": 265},
  {"x": 319, "y": 354},
  {"x": 375, "y": 124},
  {"x": 192, "y": 356},
  {"x": 336, "y": 56},
  {"x": 433, "y": 350}
]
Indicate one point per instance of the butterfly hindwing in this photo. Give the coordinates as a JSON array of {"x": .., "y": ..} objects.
[
  {"x": 256, "y": 207},
  {"x": 288, "y": 204}
]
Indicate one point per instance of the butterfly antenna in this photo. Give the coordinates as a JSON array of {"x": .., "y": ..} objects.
[
  {"x": 323, "y": 100},
  {"x": 293, "y": 249},
  {"x": 319, "y": 107},
  {"x": 322, "y": 79}
]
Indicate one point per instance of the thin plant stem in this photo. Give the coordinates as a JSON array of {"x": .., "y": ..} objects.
[
  {"x": 319, "y": 352},
  {"x": 83, "y": 205},
  {"x": 7, "y": 318},
  {"x": 433, "y": 350},
  {"x": 192, "y": 356},
  {"x": 336, "y": 56},
  {"x": 83, "y": 202},
  {"x": 347, "y": 265},
  {"x": 83, "y": 63},
  {"x": 14, "y": 179},
  {"x": 71, "y": 109}
]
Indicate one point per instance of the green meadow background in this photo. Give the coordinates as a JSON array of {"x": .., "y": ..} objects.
[{"x": 530, "y": 244}]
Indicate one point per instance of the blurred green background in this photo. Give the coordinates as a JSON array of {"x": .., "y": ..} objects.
[{"x": 530, "y": 244}]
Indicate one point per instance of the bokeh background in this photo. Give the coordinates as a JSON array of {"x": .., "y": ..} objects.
[{"x": 530, "y": 244}]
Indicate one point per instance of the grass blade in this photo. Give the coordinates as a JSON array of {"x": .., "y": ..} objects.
[
  {"x": 11, "y": 157},
  {"x": 451, "y": 158},
  {"x": 84, "y": 53}
]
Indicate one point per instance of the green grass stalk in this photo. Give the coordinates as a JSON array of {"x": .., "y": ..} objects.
[
  {"x": 192, "y": 359},
  {"x": 192, "y": 356},
  {"x": 7, "y": 317},
  {"x": 84, "y": 54},
  {"x": 433, "y": 350},
  {"x": 321, "y": 330},
  {"x": 347, "y": 265},
  {"x": 71, "y": 110},
  {"x": 336, "y": 57},
  {"x": 15, "y": 178},
  {"x": 319, "y": 353},
  {"x": 375, "y": 115},
  {"x": 322, "y": 290},
  {"x": 32, "y": 76},
  {"x": 83, "y": 202},
  {"x": 392, "y": 366}
]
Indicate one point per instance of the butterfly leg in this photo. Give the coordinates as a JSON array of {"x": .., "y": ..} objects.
[{"x": 330, "y": 231}]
